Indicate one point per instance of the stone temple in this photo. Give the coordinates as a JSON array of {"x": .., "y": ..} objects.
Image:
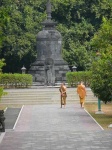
[{"x": 49, "y": 68}]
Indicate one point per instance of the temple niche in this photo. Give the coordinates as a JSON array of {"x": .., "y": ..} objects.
[{"x": 49, "y": 68}]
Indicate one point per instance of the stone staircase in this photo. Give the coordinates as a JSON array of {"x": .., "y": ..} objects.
[{"x": 42, "y": 95}]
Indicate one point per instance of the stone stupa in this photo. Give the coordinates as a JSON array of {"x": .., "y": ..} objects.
[{"x": 49, "y": 68}]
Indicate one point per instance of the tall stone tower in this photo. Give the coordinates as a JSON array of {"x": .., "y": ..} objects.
[{"x": 49, "y": 68}]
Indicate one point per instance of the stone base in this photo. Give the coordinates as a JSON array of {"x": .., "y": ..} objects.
[
  {"x": 37, "y": 85},
  {"x": 99, "y": 112},
  {"x": 110, "y": 126},
  {"x": 50, "y": 74}
]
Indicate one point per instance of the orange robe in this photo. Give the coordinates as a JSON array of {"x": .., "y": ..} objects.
[
  {"x": 82, "y": 93},
  {"x": 63, "y": 95}
]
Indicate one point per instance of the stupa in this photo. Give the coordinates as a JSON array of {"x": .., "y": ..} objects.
[{"x": 49, "y": 67}]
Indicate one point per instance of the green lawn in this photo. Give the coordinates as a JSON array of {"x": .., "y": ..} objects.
[{"x": 103, "y": 119}]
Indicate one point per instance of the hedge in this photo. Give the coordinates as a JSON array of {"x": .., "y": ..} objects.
[
  {"x": 15, "y": 80},
  {"x": 73, "y": 78}
]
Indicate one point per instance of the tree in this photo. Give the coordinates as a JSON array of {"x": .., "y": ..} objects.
[
  {"x": 2, "y": 63},
  {"x": 101, "y": 82},
  {"x": 19, "y": 45},
  {"x": 4, "y": 19},
  {"x": 77, "y": 20}
]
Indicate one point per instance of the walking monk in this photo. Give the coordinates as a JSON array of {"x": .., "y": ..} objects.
[
  {"x": 63, "y": 93},
  {"x": 81, "y": 90}
]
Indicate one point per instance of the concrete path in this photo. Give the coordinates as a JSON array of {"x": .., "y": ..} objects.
[{"x": 48, "y": 127}]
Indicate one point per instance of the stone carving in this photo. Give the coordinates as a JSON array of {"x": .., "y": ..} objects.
[
  {"x": 49, "y": 68},
  {"x": 2, "y": 123}
]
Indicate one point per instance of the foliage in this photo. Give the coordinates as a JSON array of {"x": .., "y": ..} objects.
[
  {"x": 102, "y": 41},
  {"x": 15, "y": 80},
  {"x": 78, "y": 25},
  {"x": 73, "y": 78},
  {"x": 2, "y": 63},
  {"x": 77, "y": 20},
  {"x": 2, "y": 92},
  {"x": 4, "y": 19},
  {"x": 101, "y": 82},
  {"x": 20, "y": 42}
]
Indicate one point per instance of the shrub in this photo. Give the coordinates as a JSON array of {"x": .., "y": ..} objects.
[
  {"x": 2, "y": 92},
  {"x": 15, "y": 80},
  {"x": 74, "y": 77}
]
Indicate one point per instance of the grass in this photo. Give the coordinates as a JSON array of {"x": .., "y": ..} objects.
[
  {"x": 3, "y": 107},
  {"x": 103, "y": 119}
]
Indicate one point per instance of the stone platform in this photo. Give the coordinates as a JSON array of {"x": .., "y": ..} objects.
[{"x": 43, "y": 95}]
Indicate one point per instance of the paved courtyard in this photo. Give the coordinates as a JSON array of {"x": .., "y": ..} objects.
[{"x": 48, "y": 127}]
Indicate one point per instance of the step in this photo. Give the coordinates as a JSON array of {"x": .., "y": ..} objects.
[{"x": 43, "y": 95}]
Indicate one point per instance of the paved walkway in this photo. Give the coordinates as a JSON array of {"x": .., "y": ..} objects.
[{"x": 48, "y": 127}]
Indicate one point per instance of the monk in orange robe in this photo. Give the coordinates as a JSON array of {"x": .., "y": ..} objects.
[
  {"x": 63, "y": 93},
  {"x": 81, "y": 90}
]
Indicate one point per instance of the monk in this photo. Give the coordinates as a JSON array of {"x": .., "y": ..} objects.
[
  {"x": 63, "y": 93},
  {"x": 81, "y": 90}
]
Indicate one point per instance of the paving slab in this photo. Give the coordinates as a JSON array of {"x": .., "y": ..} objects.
[
  {"x": 57, "y": 140},
  {"x": 53, "y": 118},
  {"x": 48, "y": 127}
]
